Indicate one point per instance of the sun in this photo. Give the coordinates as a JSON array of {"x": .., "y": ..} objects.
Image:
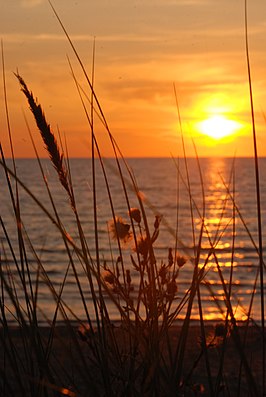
[{"x": 218, "y": 127}]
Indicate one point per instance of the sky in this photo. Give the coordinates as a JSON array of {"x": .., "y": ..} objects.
[{"x": 149, "y": 56}]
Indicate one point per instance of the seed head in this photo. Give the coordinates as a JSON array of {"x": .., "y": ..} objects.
[
  {"x": 119, "y": 229},
  {"x": 157, "y": 221},
  {"x": 170, "y": 257},
  {"x": 142, "y": 246},
  {"x": 171, "y": 289},
  {"x": 163, "y": 274},
  {"x": 135, "y": 214},
  {"x": 108, "y": 277},
  {"x": 180, "y": 260}
]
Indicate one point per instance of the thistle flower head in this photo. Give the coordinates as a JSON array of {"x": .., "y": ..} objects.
[
  {"x": 119, "y": 229},
  {"x": 135, "y": 214},
  {"x": 157, "y": 221},
  {"x": 180, "y": 260}
]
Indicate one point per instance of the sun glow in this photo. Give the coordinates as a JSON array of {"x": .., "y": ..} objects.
[{"x": 218, "y": 127}]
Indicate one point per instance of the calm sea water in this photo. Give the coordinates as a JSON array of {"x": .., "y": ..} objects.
[{"x": 165, "y": 191}]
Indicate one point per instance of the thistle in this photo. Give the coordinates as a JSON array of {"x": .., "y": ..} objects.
[
  {"x": 135, "y": 214},
  {"x": 119, "y": 229}
]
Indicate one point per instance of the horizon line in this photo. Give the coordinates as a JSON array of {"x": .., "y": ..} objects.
[{"x": 138, "y": 157}]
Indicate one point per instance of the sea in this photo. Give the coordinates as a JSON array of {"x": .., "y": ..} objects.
[{"x": 207, "y": 208}]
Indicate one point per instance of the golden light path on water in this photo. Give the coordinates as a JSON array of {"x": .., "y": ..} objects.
[{"x": 219, "y": 224}]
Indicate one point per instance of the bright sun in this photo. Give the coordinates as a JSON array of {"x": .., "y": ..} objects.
[{"x": 218, "y": 127}]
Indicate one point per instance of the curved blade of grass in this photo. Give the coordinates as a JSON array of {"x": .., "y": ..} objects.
[{"x": 259, "y": 220}]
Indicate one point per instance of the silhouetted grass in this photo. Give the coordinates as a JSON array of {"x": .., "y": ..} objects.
[{"x": 146, "y": 354}]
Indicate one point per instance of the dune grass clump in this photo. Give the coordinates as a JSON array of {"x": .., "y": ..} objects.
[{"x": 145, "y": 353}]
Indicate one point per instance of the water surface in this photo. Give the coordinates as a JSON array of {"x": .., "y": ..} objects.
[{"x": 169, "y": 189}]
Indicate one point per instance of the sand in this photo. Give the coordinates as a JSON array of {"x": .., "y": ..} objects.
[{"x": 73, "y": 368}]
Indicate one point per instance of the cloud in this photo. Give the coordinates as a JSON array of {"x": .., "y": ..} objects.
[
  {"x": 194, "y": 2},
  {"x": 31, "y": 3}
]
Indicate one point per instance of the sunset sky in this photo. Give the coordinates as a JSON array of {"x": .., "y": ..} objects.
[{"x": 143, "y": 48}]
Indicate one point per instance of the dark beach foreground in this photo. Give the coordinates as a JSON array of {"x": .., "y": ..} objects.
[{"x": 70, "y": 363}]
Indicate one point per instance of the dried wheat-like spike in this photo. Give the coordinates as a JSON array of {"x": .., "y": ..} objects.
[{"x": 47, "y": 136}]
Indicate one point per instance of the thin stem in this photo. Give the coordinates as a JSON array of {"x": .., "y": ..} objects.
[{"x": 258, "y": 199}]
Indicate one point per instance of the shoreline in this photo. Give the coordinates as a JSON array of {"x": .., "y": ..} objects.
[{"x": 176, "y": 324}]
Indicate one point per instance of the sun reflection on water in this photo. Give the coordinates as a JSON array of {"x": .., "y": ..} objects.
[{"x": 220, "y": 258}]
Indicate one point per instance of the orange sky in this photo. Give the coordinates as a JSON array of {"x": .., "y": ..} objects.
[{"x": 142, "y": 48}]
